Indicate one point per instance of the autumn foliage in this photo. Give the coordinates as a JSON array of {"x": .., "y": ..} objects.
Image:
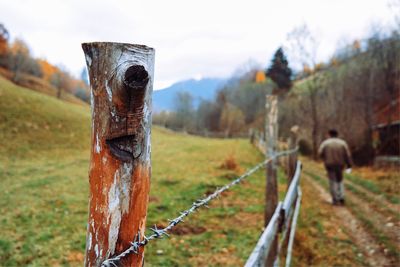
[
  {"x": 18, "y": 64},
  {"x": 48, "y": 69},
  {"x": 3, "y": 40},
  {"x": 260, "y": 77}
]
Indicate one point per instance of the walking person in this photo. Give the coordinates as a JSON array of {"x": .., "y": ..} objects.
[{"x": 336, "y": 156}]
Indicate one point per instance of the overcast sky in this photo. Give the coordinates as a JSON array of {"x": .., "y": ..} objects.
[{"x": 193, "y": 39}]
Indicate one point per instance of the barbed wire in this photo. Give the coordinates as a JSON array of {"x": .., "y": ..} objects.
[{"x": 159, "y": 233}]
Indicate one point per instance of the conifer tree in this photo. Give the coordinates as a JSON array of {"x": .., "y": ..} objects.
[{"x": 279, "y": 70}]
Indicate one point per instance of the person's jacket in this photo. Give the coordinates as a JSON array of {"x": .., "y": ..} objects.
[{"x": 335, "y": 152}]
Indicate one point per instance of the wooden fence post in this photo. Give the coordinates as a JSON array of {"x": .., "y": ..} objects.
[
  {"x": 121, "y": 80},
  {"x": 292, "y": 158},
  {"x": 271, "y": 196},
  {"x": 271, "y": 133}
]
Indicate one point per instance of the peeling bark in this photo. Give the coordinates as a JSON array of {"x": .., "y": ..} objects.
[
  {"x": 121, "y": 80},
  {"x": 271, "y": 191},
  {"x": 271, "y": 136}
]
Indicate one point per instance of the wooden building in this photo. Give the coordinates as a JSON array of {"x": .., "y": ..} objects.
[{"x": 386, "y": 133}]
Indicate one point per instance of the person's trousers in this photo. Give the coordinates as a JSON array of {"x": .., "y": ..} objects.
[{"x": 335, "y": 175}]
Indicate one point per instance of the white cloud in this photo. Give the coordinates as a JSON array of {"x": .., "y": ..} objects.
[{"x": 191, "y": 38}]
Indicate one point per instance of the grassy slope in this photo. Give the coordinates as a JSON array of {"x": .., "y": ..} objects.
[
  {"x": 43, "y": 159},
  {"x": 43, "y": 169},
  {"x": 33, "y": 124},
  {"x": 40, "y": 85}
]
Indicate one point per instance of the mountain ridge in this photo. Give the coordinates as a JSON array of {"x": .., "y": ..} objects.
[{"x": 203, "y": 89}]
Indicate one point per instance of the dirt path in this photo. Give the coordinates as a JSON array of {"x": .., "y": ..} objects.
[
  {"x": 388, "y": 226},
  {"x": 370, "y": 248},
  {"x": 378, "y": 199},
  {"x": 379, "y": 211}
]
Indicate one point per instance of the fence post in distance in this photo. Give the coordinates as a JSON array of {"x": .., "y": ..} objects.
[{"x": 292, "y": 158}]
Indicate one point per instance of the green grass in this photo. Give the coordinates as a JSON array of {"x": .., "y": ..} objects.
[
  {"x": 387, "y": 212},
  {"x": 43, "y": 166},
  {"x": 33, "y": 125},
  {"x": 44, "y": 162},
  {"x": 318, "y": 178},
  {"x": 374, "y": 188},
  {"x": 44, "y": 205}
]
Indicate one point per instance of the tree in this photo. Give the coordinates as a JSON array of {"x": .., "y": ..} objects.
[
  {"x": 62, "y": 81},
  {"x": 207, "y": 116},
  {"x": 305, "y": 47},
  {"x": 184, "y": 110},
  {"x": 20, "y": 61},
  {"x": 249, "y": 97},
  {"x": 395, "y": 7},
  {"x": 19, "y": 58},
  {"x": 4, "y": 36},
  {"x": 48, "y": 69},
  {"x": 232, "y": 119},
  {"x": 279, "y": 71},
  {"x": 56, "y": 80}
]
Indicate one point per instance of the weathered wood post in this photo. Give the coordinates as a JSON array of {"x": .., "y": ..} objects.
[
  {"x": 292, "y": 158},
  {"x": 121, "y": 80},
  {"x": 271, "y": 196},
  {"x": 291, "y": 167},
  {"x": 252, "y": 135}
]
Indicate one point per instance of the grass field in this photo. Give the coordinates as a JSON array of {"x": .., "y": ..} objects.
[
  {"x": 44, "y": 206},
  {"x": 44, "y": 166}
]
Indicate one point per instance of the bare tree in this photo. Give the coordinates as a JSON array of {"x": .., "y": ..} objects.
[
  {"x": 62, "y": 81},
  {"x": 18, "y": 59},
  {"x": 395, "y": 7},
  {"x": 4, "y": 36},
  {"x": 304, "y": 46},
  {"x": 184, "y": 110},
  {"x": 232, "y": 119}
]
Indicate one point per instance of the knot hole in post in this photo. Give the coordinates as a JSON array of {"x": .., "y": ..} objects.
[
  {"x": 136, "y": 79},
  {"x": 127, "y": 145}
]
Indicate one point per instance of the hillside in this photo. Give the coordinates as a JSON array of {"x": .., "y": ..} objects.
[
  {"x": 40, "y": 85},
  {"x": 44, "y": 166},
  {"x": 200, "y": 89},
  {"x": 32, "y": 123}
]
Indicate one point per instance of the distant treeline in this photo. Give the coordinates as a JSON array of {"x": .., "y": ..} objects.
[
  {"x": 347, "y": 94},
  {"x": 343, "y": 93},
  {"x": 17, "y": 64},
  {"x": 238, "y": 106}
]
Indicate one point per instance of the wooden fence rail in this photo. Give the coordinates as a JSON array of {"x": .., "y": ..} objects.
[
  {"x": 283, "y": 221},
  {"x": 293, "y": 227},
  {"x": 292, "y": 191},
  {"x": 264, "y": 244}
]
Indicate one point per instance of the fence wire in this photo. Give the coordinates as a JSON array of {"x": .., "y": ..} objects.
[{"x": 159, "y": 233}]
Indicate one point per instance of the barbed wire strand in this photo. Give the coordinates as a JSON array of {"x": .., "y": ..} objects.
[{"x": 159, "y": 233}]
